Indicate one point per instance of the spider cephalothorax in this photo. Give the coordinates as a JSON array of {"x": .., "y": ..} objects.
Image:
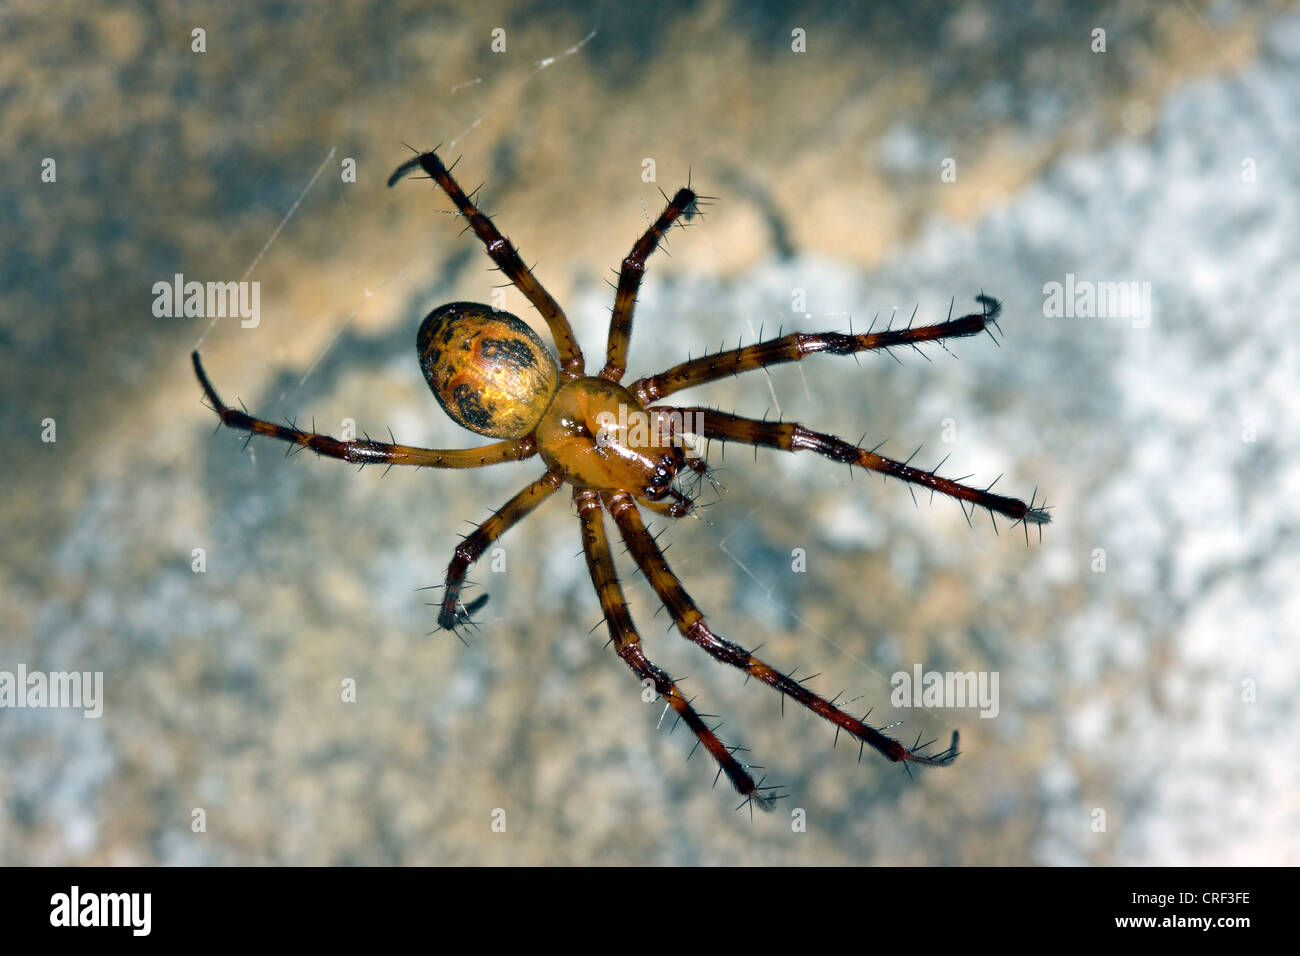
[
  {"x": 621, "y": 452},
  {"x": 586, "y": 436}
]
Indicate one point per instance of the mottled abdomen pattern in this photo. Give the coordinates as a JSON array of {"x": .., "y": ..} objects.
[{"x": 488, "y": 370}]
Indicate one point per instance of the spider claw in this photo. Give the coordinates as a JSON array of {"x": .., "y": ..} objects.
[
  {"x": 405, "y": 169},
  {"x": 992, "y": 307}
]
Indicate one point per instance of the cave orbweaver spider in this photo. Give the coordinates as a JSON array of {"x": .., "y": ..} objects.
[{"x": 492, "y": 374}]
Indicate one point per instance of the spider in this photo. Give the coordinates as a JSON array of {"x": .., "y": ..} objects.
[{"x": 621, "y": 452}]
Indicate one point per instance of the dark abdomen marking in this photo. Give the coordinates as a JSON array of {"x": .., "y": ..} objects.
[
  {"x": 471, "y": 408},
  {"x": 510, "y": 351}
]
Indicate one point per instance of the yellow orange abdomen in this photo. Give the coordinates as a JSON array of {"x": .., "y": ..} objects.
[{"x": 489, "y": 371}]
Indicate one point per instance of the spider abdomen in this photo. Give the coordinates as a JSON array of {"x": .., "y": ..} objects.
[{"x": 489, "y": 371}]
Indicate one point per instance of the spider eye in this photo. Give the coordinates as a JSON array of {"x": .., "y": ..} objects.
[{"x": 660, "y": 481}]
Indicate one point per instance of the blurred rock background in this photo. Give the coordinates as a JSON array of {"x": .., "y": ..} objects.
[{"x": 1160, "y": 691}]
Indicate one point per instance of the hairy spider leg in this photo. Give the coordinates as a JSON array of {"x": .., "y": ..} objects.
[
  {"x": 629, "y": 282},
  {"x": 365, "y": 451},
  {"x": 791, "y": 436},
  {"x": 471, "y": 549},
  {"x": 505, "y": 256},
  {"x": 796, "y": 345},
  {"x": 627, "y": 644},
  {"x": 692, "y": 625}
]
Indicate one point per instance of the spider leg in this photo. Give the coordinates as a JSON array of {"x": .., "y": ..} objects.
[
  {"x": 790, "y": 436},
  {"x": 472, "y": 548},
  {"x": 692, "y": 625},
  {"x": 627, "y": 643},
  {"x": 629, "y": 282},
  {"x": 366, "y": 452},
  {"x": 793, "y": 347},
  {"x": 505, "y": 256}
]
